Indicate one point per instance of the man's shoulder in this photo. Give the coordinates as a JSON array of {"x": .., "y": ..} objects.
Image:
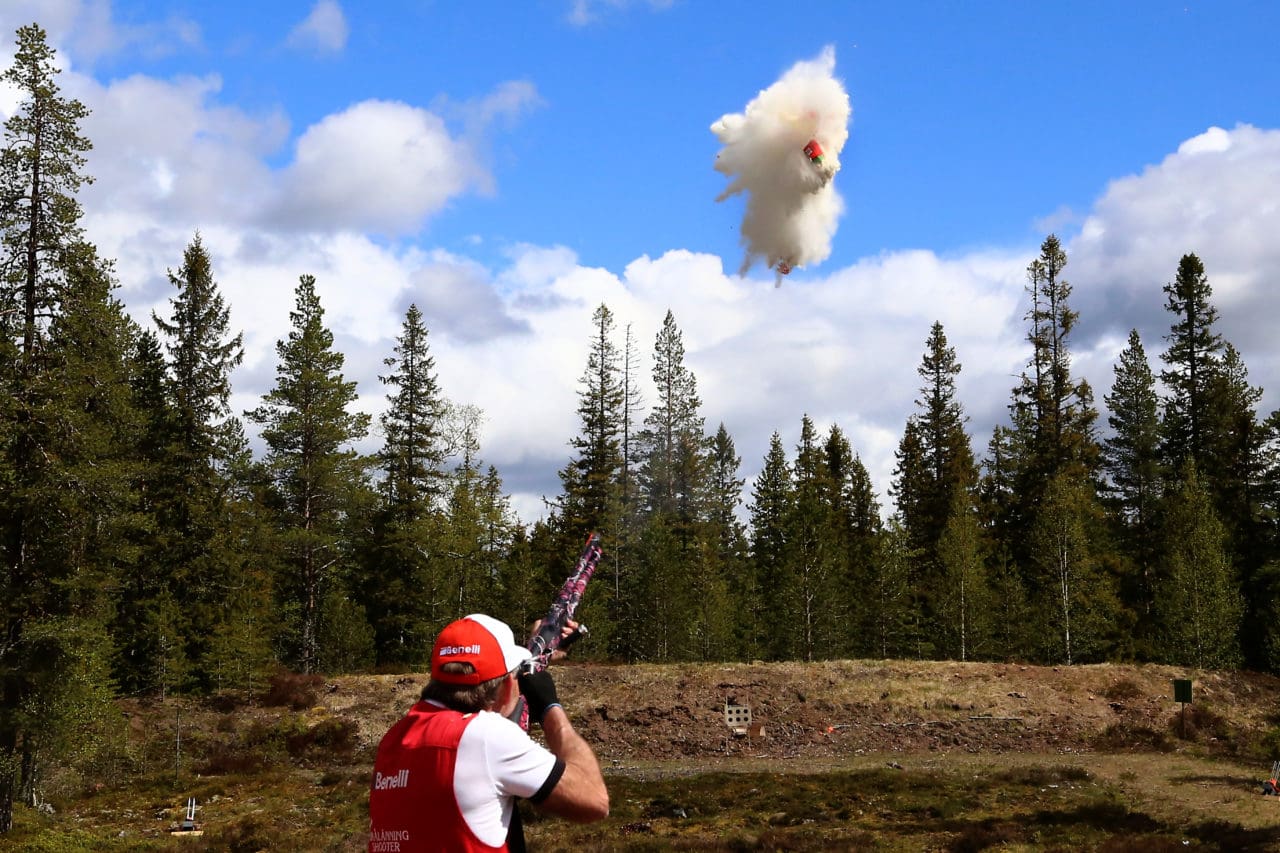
[{"x": 493, "y": 724}]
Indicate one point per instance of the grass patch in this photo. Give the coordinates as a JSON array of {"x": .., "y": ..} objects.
[
  {"x": 1051, "y": 806},
  {"x": 1041, "y": 807},
  {"x": 1124, "y": 690}
]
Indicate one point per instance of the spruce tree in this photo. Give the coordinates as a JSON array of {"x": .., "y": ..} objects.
[
  {"x": 1131, "y": 459},
  {"x": 1193, "y": 359},
  {"x": 192, "y": 549},
  {"x": 728, "y": 534},
  {"x": 1234, "y": 447},
  {"x": 591, "y": 480},
  {"x": 412, "y": 456},
  {"x": 673, "y": 446},
  {"x": 849, "y": 556},
  {"x": 406, "y": 587},
  {"x": 964, "y": 604},
  {"x": 814, "y": 558},
  {"x": 147, "y": 620},
  {"x": 1210, "y": 419},
  {"x": 674, "y": 496},
  {"x": 770, "y": 614},
  {"x": 910, "y": 489},
  {"x": 911, "y": 483},
  {"x": 309, "y": 432},
  {"x": 935, "y": 458},
  {"x": 79, "y": 510},
  {"x": 50, "y": 579},
  {"x": 1073, "y": 597},
  {"x": 1198, "y": 598},
  {"x": 944, "y": 443},
  {"x": 864, "y": 537}
]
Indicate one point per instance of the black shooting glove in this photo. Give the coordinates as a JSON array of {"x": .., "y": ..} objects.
[
  {"x": 539, "y": 693},
  {"x": 576, "y": 635}
]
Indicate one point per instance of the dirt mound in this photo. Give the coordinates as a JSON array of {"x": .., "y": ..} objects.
[{"x": 842, "y": 708}]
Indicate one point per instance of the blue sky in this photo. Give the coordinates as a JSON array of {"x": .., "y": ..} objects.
[{"x": 567, "y": 160}]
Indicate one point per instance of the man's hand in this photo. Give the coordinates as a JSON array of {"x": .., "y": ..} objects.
[
  {"x": 569, "y": 634},
  {"x": 539, "y": 692}
]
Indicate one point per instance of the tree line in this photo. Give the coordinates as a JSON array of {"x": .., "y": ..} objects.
[{"x": 146, "y": 550}]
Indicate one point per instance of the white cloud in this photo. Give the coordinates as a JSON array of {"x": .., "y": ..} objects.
[
  {"x": 584, "y": 12},
  {"x": 324, "y": 31},
  {"x": 1217, "y": 196},
  {"x": 512, "y": 338},
  {"x": 378, "y": 165},
  {"x": 90, "y": 29},
  {"x": 168, "y": 149}
]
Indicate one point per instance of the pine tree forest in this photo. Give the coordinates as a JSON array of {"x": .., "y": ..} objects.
[{"x": 146, "y": 549}]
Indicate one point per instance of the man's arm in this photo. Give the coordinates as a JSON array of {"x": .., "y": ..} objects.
[{"x": 580, "y": 795}]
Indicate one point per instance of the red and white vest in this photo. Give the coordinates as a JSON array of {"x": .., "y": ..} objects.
[{"x": 412, "y": 804}]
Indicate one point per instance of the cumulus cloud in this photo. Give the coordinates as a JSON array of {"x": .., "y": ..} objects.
[
  {"x": 378, "y": 165},
  {"x": 1214, "y": 196},
  {"x": 324, "y": 31},
  {"x": 168, "y": 149},
  {"x": 90, "y": 30},
  {"x": 459, "y": 296}
]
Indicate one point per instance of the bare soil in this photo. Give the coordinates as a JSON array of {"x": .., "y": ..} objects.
[{"x": 838, "y": 709}]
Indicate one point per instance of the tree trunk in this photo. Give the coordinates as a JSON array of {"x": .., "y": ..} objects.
[
  {"x": 8, "y": 774},
  {"x": 32, "y": 259},
  {"x": 27, "y": 781}
]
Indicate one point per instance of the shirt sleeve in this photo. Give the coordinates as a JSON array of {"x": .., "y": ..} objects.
[
  {"x": 497, "y": 762},
  {"x": 518, "y": 765}
]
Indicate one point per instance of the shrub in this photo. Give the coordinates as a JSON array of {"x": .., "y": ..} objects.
[
  {"x": 230, "y": 758},
  {"x": 332, "y": 737},
  {"x": 292, "y": 690},
  {"x": 1123, "y": 690},
  {"x": 251, "y": 835},
  {"x": 1270, "y": 744},
  {"x": 1200, "y": 722},
  {"x": 1038, "y": 776},
  {"x": 1125, "y": 736}
]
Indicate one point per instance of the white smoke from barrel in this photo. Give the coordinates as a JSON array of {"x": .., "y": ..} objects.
[{"x": 792, "y": 206}]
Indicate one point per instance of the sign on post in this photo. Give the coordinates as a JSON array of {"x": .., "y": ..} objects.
[{"x": 1182, "y": 693}]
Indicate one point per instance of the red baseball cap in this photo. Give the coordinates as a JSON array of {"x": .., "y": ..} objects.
[{"x": 482, "y": 641}]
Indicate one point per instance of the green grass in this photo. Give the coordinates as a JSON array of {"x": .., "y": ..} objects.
[{"x": 1029, "y": 807}]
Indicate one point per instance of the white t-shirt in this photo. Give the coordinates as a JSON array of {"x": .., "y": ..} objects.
[{"x": 496, "y": 761}]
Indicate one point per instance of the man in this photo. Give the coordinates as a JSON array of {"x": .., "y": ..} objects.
[{"x": 447, "y": 775}]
